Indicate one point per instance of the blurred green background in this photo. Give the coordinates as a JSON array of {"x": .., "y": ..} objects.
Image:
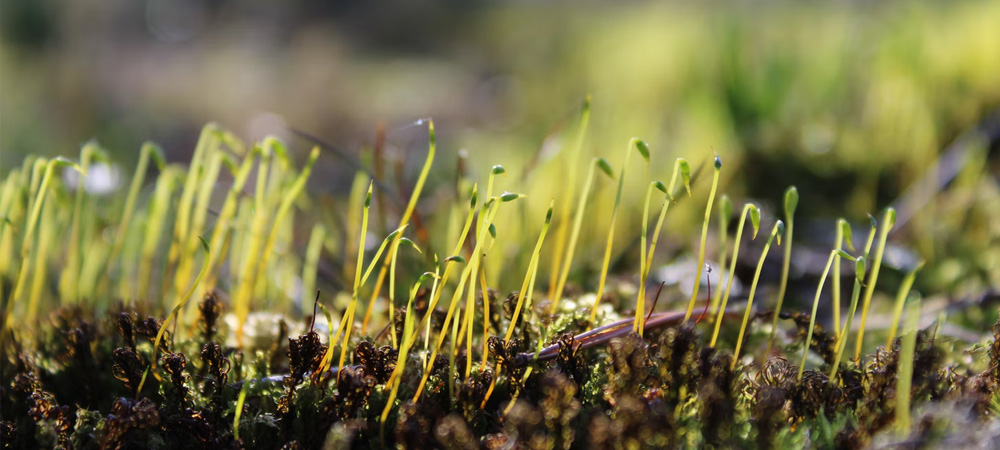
[{"x": 852, "y": 101}]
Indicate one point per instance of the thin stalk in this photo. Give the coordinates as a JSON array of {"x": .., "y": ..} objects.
[
  {"x": 409, "y": 335},
  {"x": 681, "y": 167},
  {"x": 229, "y": 205},
  {"x": 704, "y": 237},
  {"x": 843, "y": 230},
  {"x": 279, "y": 217},
  {"x": 834, "y": 255},
  {"x": 888, "y": 222},
  {"x": 313, "y": 251},
  {"x": 347, "y": 322},
  {"x": 558, "y": 260},
  {"x": 251, "y": 248},
  {"x": 791, "y": 202},
  {"x": 640, "y": 301},
  {"x": 777, "y": 231},
  {"x": 449, "y": 265},
  {"x": 45, "y": 237},
  {"x": 555, "y": 294},
  {"x": 392, "y": 284},
  {"x": 41, "y": 189},
  {"x": 904, "y": 380},
  {"x": 897, "y": 310},
  {"x": 69, "y": 281},
  {"x": 463, "y": 278},
  {"x": 405, "y": 219},
  {"x": 749, "y": 210},
  {"x": 725, "y": 212},
  {"x": 859, "y": 275},
  {"x": 526, "y": 288},
  {"x": 643, "y": 148},
  {"x": 207, "y": 140},
  {"x": 173, "y": 315},
  {"x": 155, "y": 221}
]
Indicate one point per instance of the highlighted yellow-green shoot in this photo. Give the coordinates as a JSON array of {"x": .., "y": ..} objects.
[
  {"x": 173, "y": 315},
  {"x": 749, "y": 210},
  {"x": 562, "y": 222},
  {"x": 859, "y": 276},
  {"x": 643, "y": 148},
  {"x": 69, "y": 280},
  {"x": 405, "y": 218},
  {"x": 260, "y": 263},
  {"x": 791, "y": 202},
  {"x": 704, "y": 237},
  {"x": 834, "y": 254},
  {"x": 41, "y": 180},
  {"x": 392, "y": 284},
  {"x": 888, "y": 222},
  {"x": 843, "y": 233},
  {"x": 725, "y": 212},
  {"x": 777, "y": 231},
  {"x": 904, "y": 379},
  {"x": 555, "y": 294},
  {"x": 409, "y": 336},
  {"x": 682, "y": 168},
  {"x": 904, "y": 292}
]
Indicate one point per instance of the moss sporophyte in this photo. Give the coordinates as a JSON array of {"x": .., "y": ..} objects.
[{"x": 275, "y": 352}]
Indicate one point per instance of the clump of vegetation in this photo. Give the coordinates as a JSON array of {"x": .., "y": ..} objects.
[{"x": 104, "y": 350}]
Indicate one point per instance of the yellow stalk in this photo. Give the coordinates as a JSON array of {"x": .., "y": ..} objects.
[
  {"x": 41, "y": 188},
  {"x": 558, "y": 260},
  {"x": 777, "y": 231},
  {"x": 897, "y": 310},
  {"x": 68, "y": 282},
  {"x": 405, "y": 219},
  {"x": 704, "y": 237},
  {"x": 643, "y": 150},
  {"x": 260, "y": 216},
  {"x": 463, "y": 278},
  {"x": 888, "y": 222},
  {"x": 221, "y": 229},
  {"x": 173, "y": 315},
  {"x": 681, "y": 167},
  {"x": 843, "y": 229},
  {"x": 556, "y": 294},
  {"x": 791, "y": 202},
  {"x": 749, "y": 210},
  {"x": 834, "y": 255},
  {"x": 859, "y": 275},
  {"x": 725, "y": 212}
]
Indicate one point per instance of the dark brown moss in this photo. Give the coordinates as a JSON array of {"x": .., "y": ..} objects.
[{"x": 210, "y": 309}]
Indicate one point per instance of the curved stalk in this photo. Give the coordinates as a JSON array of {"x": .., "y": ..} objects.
[
  {"x": 749, "y": 210},
  {"x": 704, "y": 237},
  {"x": 776, "y": 232}
]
